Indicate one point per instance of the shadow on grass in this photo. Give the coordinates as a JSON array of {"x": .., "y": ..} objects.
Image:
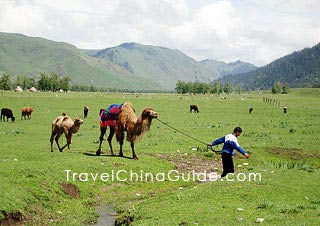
[{"x": 107, "y": 155}]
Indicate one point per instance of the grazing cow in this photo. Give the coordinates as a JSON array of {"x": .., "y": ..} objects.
[
  {"x": 6, "y": 112},
  {"x": 85, "y": 111},
  {"x": 194, "y": 108},
  {"x": 285, "y": 109},
  {"x": 250, "y": 110},
  {"x": 26, "y": 111}
]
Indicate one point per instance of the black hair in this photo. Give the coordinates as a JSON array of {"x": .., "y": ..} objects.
[{"x": 237, "y": 129}]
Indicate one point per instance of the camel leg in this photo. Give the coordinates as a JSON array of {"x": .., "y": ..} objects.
[
  {"x": 120, "y": 138},
  {"x": 134, "y": 156},
  {"x": 69, "y": 137},
  {"x": 102, "y": 133},
  {"x": 57, "y": 141},
  {"x": 52, "y": 138},
  {"x": 61, "y": 149},
  {"x": 112, "y": 129}
]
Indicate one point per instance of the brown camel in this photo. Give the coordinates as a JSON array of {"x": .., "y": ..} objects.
[
  {"x": 127, "y": 120},
  {"x": 64, "y": 124}
]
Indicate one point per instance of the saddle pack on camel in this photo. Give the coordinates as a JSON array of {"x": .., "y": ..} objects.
[{"x": 109, "y": 116}]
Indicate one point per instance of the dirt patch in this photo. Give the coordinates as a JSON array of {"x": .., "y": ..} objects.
[
  {"x": 13, "y": 218},
  {"x": 291, "y": 153},
  {"x": 71, "y": 190},
  {"x": 189, "y": 162}
]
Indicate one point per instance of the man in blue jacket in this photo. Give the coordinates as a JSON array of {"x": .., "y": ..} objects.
[{"x": 230, "y": 143}]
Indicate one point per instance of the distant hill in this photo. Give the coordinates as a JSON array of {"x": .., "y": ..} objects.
[
  {"x": 23, "y": 55},
  {"x": 162, "y": 65},
  {"x": 298, "y": 69},
  {"x": 127, "y": 66},
  {"x": 166, "y": 66},
  {"x": 222, "y": 68}
]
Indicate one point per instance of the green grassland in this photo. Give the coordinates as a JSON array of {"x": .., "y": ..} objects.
[{"x": 284, "y": 149}]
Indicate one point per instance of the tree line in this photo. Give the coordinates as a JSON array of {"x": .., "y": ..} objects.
[
  {"x": 202, "y": 88},
  {"x": 54, "y": 82},
  {"x": 218, "y": 88},
  {"x": 277, "y": 87},
  {"x": 45, "y": 82}
]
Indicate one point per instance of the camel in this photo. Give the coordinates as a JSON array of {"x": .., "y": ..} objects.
[
  {"x": 64, "y": 124},
  {"x": 127, "y": 120}
]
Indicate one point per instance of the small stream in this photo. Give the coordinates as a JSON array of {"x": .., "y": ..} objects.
[{"x": 107, "y": 215}]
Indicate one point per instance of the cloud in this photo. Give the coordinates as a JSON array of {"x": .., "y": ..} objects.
[
  {"x": 207, "y": 32},
  {"x": 15, "y": 17},
  {"x": 250, "y": 30}
]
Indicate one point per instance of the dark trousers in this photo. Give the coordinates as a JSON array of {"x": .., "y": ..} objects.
[{"x": 227, "y": 164}]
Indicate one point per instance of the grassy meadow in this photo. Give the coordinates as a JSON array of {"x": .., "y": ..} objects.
[{"x": 284, "y": 150}]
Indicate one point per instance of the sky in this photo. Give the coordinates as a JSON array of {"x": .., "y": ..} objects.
[{"x": 254, "y": 31}]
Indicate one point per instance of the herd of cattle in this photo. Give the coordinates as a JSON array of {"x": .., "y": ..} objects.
[
  {"x": 26, "y": 112},
  {"x": 6, "y": 113}
]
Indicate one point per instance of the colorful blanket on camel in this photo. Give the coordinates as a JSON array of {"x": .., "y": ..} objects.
[{"x": 109, "y": 116}]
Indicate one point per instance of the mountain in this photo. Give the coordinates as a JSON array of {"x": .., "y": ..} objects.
[
  {"x": 23, "y": 55},
  {"x": 128, "y": 66},
  {"x": 298, "y": 69},
  {"x": 162, "y": 65},
  {"x": 222, "y": 68}
]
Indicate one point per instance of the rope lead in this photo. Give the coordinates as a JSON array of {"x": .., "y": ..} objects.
[{"x": 187, "y": 135}]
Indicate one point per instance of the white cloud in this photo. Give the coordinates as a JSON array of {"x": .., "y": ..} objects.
[
  {"x": 217, "y": 18},
  {"x": 15, "y": 17},
  {"x": 251, "y": 30}
]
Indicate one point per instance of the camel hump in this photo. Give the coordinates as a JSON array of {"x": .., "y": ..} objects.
[
  {"x": 128, "y": 105},
  {"x": 58, "y": 119},
  {"x": 57, "y": 122},
  {"x": 65, "y": 118}
]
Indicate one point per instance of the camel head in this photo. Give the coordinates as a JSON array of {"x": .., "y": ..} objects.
[
  {"x": 148, "y": 112},
  {"x": 76, "y": 125},
  {"x": 78, "y": 121}
]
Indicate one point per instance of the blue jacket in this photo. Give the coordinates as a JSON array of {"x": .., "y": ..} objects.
[{"x": 230, "y": 143}]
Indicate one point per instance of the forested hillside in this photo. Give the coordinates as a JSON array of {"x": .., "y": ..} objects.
[{"x": 298, "y": 69}]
